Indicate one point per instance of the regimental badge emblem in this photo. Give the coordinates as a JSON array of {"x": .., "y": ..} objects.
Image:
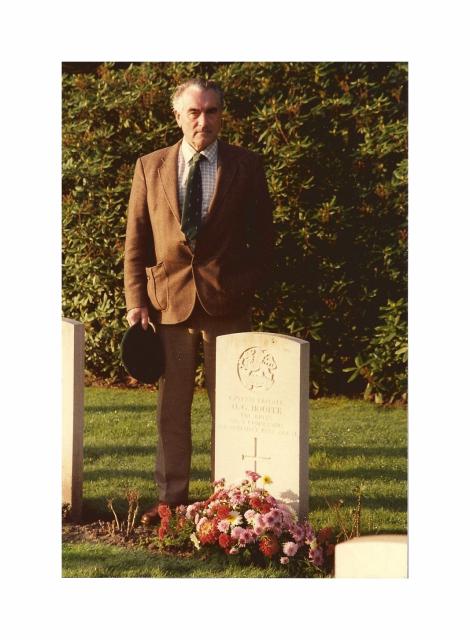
[{"x": 257, "y": 369}]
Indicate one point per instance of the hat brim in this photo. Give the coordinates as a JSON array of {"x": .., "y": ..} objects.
[{"x": 142, "y": 353}]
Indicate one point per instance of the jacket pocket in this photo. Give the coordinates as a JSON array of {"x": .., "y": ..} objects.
[{"x": 158, "y": 285}]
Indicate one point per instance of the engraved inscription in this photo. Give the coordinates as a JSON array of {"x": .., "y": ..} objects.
[
  {"x": 263, "y": 416},
  {"x": 256, "y": 368}
]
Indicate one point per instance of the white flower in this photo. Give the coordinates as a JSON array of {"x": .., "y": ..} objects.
[
  {"x": 290, "y": 548},
  {"x": 194, "y": 539},
  {"x": 249, "y": 515},
  {"x": 234, "y": 518}
]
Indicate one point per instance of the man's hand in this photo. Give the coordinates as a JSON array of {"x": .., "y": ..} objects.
[{"x": 138, "y": 314}]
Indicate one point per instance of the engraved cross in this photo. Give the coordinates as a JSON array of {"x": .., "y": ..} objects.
[{"x": 256, "y": 457}]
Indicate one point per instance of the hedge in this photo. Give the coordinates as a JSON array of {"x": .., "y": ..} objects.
[{"x": 334, "y": 141}]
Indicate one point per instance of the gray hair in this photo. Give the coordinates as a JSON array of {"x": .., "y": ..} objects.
[{"x": 200, "y": 83}]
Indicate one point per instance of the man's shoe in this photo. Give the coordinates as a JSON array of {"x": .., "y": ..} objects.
[
  {"x": 151, "y": 516},
  {"x": 156, "y": 513}
]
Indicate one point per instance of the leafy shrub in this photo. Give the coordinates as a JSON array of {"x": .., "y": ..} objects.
[
  {"x": 333, "y": 137},
  {"x": 384, "y": 365}
]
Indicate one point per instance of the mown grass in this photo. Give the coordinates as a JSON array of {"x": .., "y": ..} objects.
[
  {"x": 98, "y": 560},
  {"x": 352, "y": 442}
]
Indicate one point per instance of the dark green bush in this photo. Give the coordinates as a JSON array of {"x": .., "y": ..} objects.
[
  {"x": 334, "y": 140},
  {"x": 384, "y": 364}
]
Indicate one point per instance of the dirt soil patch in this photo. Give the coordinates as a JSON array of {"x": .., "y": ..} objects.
[{"x": 140, "y": 537}]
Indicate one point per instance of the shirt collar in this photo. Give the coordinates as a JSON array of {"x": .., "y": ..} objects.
[{"x": 209, "y": 152}]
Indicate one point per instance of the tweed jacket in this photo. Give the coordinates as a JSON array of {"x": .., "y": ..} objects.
[{"x": 233, "y": 252}]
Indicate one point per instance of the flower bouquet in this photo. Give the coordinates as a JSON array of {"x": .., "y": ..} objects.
[{"x": 245, "y": 521}]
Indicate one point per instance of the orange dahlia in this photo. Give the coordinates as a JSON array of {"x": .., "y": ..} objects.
[
  {"x": 269, "y": 545},
  {"x": 223, "y": 511},
  {"x": 164, "y": 511},
  {"x": 325, "y": 534},
  {"x": 224, "y": 540},
  {"x": 208, "y": 532}
]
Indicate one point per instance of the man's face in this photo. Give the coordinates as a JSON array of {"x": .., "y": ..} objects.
[{"x": 200, "y": 117}]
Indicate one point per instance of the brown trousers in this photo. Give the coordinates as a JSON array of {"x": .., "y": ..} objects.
[{"x": 175, "y": 395}]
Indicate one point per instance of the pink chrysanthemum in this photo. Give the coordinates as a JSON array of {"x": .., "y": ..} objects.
[
  {"x": 270, "y": 519},
  {"x": 237, "y": 532},
  {"x": 246, "y": 537},
  {"x": 258, "y": 524},
  {"x": 223, "y": 526},
  {"x": 287, "y": 511},
  {"x": 253, "y": 475},
  {"x": 309, "y": 533},
  {"x": 297, "y": 532},
  {"x": 316, "y": 556},
  {"x": 273, "y": 518},
  {"x": 284, "y": 560},
  {"x": 250, "y": 536},
  {"x": 191, "y": 511},
  {"x": 290, "y": 548}
]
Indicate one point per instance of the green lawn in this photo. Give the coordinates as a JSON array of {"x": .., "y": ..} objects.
[{"x": 351, "y": 442}]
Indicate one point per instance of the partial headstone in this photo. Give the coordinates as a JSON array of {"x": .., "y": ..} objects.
[
  {"x": 73, "y": 357},
  {"x": 382, "y": 556},
  {"x": 261, "y": 414}
]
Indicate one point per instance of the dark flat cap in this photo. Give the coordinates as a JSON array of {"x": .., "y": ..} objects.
[{"x": 142, "y": 353}]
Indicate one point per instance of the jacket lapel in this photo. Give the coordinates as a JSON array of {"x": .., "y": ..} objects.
[
  {"x": 168, "y": 172},
  {"x": 226, "y": 170}
]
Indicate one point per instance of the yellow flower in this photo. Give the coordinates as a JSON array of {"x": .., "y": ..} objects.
[{"x": 266, "y": 480}]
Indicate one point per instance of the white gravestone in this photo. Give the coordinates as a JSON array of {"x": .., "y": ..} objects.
[
  {"x": 73, "y": 354},
  {"x": 261, "y": 415},
  {"x": 380, "y": 556}
]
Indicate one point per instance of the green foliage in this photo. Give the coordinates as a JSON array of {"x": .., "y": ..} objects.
[
  {"x": 333, "y": 136},
  {"x": 385, "y": 363}
]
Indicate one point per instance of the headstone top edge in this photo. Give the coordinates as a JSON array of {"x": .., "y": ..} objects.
[
  {"x": 72, "y": 322},
  {"x": 253, "y": 334},
  {"x": 391, "y": 538}
]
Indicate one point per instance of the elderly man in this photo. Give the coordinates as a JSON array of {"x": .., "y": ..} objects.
[{"x": 199, "y": 241}]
